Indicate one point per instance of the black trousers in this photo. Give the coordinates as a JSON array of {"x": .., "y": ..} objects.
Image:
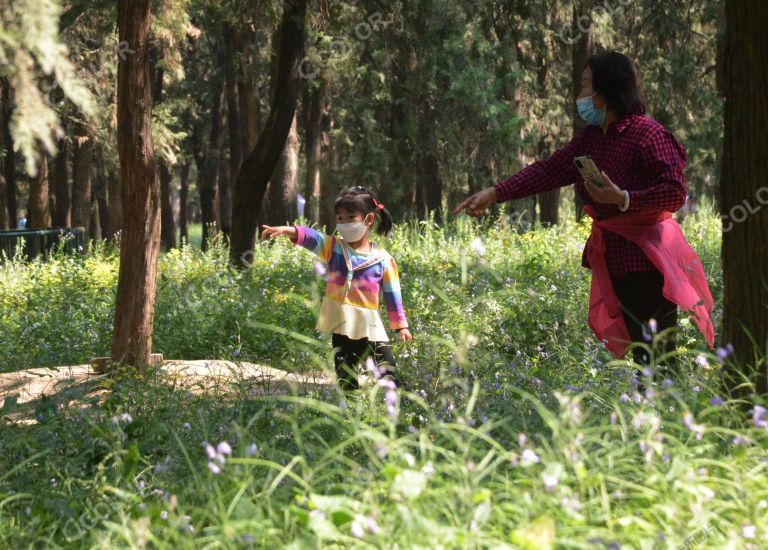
[
  {"x": 350, "y": 353},
  {"x": 641, "y": 300}
]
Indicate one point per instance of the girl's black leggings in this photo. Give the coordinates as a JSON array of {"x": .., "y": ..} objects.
[{"x": 348, "y": 354}]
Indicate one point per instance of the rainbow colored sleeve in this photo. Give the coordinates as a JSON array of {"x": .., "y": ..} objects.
[
  {"x": 392, "y": 297},
  {"x": 315, "y": 241}
]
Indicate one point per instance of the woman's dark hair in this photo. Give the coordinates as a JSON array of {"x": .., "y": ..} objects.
[
  {"x": 615, "y": 79},
  {"x": 361, "y": 199}
]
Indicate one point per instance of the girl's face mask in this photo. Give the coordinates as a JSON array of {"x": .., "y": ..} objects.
[
  {"x": 589, "y": 113},
  {"x": 352, "y": 232}
]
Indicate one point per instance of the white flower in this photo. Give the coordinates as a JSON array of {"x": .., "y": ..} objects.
[
  {"x": 357, "y": 529},
  {"x": 748, "y": 531},
  {"x": 550, "y": 482},
  {"x": 478, "y": 246},
  {"x": 530, "y": 457}
]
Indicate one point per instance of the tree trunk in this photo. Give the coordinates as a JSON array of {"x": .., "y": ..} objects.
[
  {"x": 4, "y": 220},
  {"x": 260, "y": 163},
  {"x": 167, "y": 225},
  {"x": 329, "y": 171},
  {"x": 61, "y": 213},
  {"x": 39, "y": 205},
  {"x": 549, "y": 202},
  {"x": 284, "y": 185},
  {"x": 235, "y": 134},
  {"x": 9, "y": 164},
  {"x": 582, "y": 47},
  {"x": 82, "y": 159},
  {"x": 430, "y": 185},
  {"x": 115, "y": 205},
  {"x": 313, "y": 131},
  {"x": 140, "y": 240},
  {"x": 209, "y": 171},
  {"x": 100, "y": 217},
  {"x": 183, "y": 203},
  {"x": 248, "y": 99},
  {"x": 744, "y": 193}
]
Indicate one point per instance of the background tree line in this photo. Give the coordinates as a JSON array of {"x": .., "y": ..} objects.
[{"x": 424, "y": 101}]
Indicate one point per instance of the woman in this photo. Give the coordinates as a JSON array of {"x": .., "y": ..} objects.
[{"x": 638, "y": 278}]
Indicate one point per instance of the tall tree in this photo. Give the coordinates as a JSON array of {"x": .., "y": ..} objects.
[
  {"x": 82, "y": 192},
  {"x": 39, "y": 205},
  {"x": 184, "y": 202},
  {"x": 4, "y": 219},
  {"x": 260, "y": 163},
  {"x": 744, "y": 195},
  {"x": 115, "y": 222},
  {"x": 315, "y": 111},
  {"x": 284, "y": 185},
  {"x": 235, "y": 133},
  {"x": 60, "y": 184},
  {"x": 9, "y": 162},
  {"x": 140, "y": 241},
  {"x": 582, "y": 46}
]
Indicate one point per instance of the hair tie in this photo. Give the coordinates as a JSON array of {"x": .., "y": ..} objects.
[{"x": 379, "y": 206}]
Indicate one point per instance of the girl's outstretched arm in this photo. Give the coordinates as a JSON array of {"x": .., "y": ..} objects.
[
  {"x": 309, "y": 238},
  {"x": 271, "y": 232}
]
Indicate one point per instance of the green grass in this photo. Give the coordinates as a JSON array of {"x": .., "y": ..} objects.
[{"x": 515, "y": 428}]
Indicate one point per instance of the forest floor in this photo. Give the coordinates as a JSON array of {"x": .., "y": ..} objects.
[{"x": 78, "y": 384}]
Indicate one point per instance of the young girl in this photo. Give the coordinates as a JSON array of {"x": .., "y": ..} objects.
[{"x": 357, "y": 271}]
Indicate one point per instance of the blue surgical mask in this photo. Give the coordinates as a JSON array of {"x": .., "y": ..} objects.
[{"x": 587, "y": 111}]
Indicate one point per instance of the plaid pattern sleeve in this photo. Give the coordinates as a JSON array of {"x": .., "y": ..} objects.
[
  {"x": 663, "y": 162},
  {"x": 544, "y": 175},
  {"x": 638, "y": 154}
]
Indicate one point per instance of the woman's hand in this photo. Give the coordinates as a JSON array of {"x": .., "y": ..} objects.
[
  {"x": 271, "y": 232},
  {"x": 477, "y": 204},
  {"x": 405, "y": 335},
  {"x": 610, "y": 194}
]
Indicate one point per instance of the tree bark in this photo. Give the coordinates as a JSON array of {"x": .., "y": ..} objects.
[
  {"x": 583, "y": 46},
  {"x": 260, "y": 163},
  {"x": 209, "y": 172},
  {"x": 183, "y": 203},
  {"x": 313, "y": 131},
  {"x": 248, "y": 97},
  {"x": 167, "y": 224},
  {"x": 82, "y": 159},
  {"x": 235, "y": 133},
  {"x": 4, "y": 219},
  {"x": 284, "y": 186},
  {"x": 61, "y": 213},
  {"x": 100, "y": 213},
  {"x": 39, "y": 205},
  {"x": 744, "y": 192},
  {"x": 9, "y": 163},
  {"x": 115, "y": 205},
  {"x": 430, "y": 185},
  {"x": 140, "y": 240}
]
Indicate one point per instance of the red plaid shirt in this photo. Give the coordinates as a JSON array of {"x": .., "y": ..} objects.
[{"x": 638, "y": 154}]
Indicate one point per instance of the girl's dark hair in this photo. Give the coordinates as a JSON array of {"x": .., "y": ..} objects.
[
  {"x": 615, "y": 79},
  {"x": 361, "y": 199}
]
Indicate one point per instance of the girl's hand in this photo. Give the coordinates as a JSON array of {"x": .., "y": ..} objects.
[
  {"x": 405, "y": 335},
  {"x": 610, "y": 194},
  {"x": 270, "y": 232}
]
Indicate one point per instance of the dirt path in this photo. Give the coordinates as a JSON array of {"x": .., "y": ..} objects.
[{"x": 25, "y": 388}]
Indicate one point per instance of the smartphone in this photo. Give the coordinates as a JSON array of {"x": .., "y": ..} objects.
[{"x": 588, "y": 170}]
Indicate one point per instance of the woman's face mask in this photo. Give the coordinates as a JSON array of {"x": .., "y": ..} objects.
[{"x": 588, "y": 112}]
